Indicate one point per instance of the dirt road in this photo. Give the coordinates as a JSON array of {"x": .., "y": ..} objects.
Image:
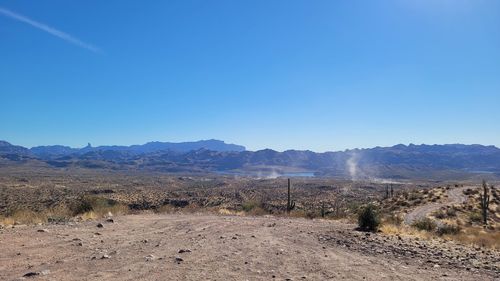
[
  {"x": 455, "y": 196},
  {"x": 147, "y": 246}
]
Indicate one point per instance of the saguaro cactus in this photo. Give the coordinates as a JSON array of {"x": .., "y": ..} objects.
[
  {"x": 323, "y": 211},
  {"x": 290, "y": 205},
  {"x": 485, "y": 202},
  {"x": 392, "y": 191}
]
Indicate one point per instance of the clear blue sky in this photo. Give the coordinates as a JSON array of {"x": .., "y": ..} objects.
[{"x": 319, "y": 75}]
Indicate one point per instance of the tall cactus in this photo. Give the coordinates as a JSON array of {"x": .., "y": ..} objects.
[
  {"x": 323, "y": 211},
  {"x": 290, "y": 205},
  {"x": 485, "y": 202}
]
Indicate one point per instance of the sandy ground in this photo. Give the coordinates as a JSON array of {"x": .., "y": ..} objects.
[
  {"x": 145, "y": 247},
  {"x": 455, "y": 196}
]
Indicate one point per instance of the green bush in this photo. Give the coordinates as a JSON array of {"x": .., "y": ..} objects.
[
  {"x": 448, "y": 229},
  {"x": 368, "y": 219},
  {"x": 425, "y": 224}
]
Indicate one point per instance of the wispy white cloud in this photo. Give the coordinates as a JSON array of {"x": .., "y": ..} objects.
[{"x": 66, "y": 37}]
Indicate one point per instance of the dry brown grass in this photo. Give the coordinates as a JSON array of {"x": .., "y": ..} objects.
[
  {"x": 102, "y": 212},
  {"x": 60, "y": 214},
  {"x": 227, "y": 212},
  {"x": 404, "y": 230},
  {"x": 6, "y": 221},
  {"x": 478, "y": 237},
  {"x": 189, "y": 209},
  {"x": 468, "y": 236},
  {"x": 28, "y": 217},
  {"x": 166, "y": 209},
  {"x": 304, "y": 214},
  {"x": 257, "y": 211}
]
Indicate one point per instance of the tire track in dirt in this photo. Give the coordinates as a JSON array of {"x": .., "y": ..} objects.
[
  {"x": 145, "y": 247},
  {"x": 455, "y": 196}
]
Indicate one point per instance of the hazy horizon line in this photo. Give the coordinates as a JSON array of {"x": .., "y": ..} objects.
[{"x": 253, "y": 150}]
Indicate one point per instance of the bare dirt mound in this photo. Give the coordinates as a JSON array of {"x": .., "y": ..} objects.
[{"x": 205, "y": 247}]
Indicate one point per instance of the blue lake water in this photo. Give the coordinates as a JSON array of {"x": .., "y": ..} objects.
[
  {"x": 269, "y": 175},
  {"x": 299, "y": 175}
]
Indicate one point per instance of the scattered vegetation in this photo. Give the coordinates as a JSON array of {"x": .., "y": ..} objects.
[
  {"x": 448, "y": 229},
  {"x": 445, "y": 213},
  {"x": 254, "y": 208},
  {"x": 425, "y": 224},
  {"x": 479, "y": 237},
  {"x": 392, "y": 219},
  {"x": 368, "y": 219},
  {"x": 87, "y": 207},
  {"x": 91, "y": 207},
  {"x": 475, "y": 217},
  {"x": 58, "y": 198},
  {"x": 248, "y": 206}
]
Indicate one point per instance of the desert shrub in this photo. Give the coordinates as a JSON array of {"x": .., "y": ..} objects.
[
  {"x": 479, "y": 237},
  {"x": 311, "y": 215},
  {"x": 166, "y": 209},
  {"x": 448, "y": 229},
  {"x": 368, "y": 219},
  {"x": 254, "y": 208},
  {"x": 425, "y": 224},
  {"x": 6, "y": 221},
  {"x": 57, "y": 219},
  {"x": 304, "y": 214},
  {"x": 475, "y": 217},
  {"x": 469, "y": 191},
  {"x": 353, "y": 207},
  {"x": 440, "y": 214},
  {"x": 94, "y": 206},
  {"x": 57, "y": 214},
  {"x": 247, "y": 206},
  {"x": 393, "y": 219},
  {"x": 258, "y": 211},
  {"x": 413, "y": 196},
  {"x": 447, "y": 213},
  {"x": 451, "y": 212},
  {"x": 26, "y": 216},
  {"x": 82, "y": 206},
  {"x": 404, "y": 204}
]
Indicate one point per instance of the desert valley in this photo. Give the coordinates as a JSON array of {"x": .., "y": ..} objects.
[{"x": 127, "y": 222}]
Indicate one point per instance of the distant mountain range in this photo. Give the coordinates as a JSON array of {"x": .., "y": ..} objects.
[
  {"x": 449, "y": 161},
  {"x": 150, "y": 147}
]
